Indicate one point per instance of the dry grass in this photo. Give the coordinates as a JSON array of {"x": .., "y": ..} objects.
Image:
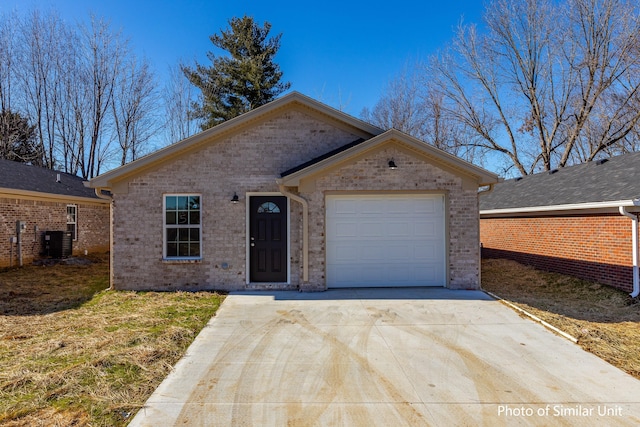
[
  {"x": 73, "y": 353},
  {"x": 605, "y": 321}
]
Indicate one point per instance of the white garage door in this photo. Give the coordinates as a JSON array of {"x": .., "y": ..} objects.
[{"x": 385, "y": 240}]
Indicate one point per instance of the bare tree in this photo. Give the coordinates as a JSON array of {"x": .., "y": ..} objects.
[
  {"x": 7, "y": 61},
  {"x": 402, "y": 106},
  {"x": 74, "y": 103},
  {"x": 38, "y": 53},
  {"x": 179, "y": 95},
  {"x": 103, "y": 56},
  {"x": 608, "y": 63},
  {"x": 132, "y": 107},
  {"x": 543, "y": 79},
  {"x": 410, "y": 104},
  {"x": 81, "y": 87}
]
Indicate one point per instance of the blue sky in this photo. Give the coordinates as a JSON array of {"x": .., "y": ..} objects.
[{"x": 342, "y": 53}]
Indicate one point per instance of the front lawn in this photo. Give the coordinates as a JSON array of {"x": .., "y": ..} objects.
[{"x": 74, "y": 353}]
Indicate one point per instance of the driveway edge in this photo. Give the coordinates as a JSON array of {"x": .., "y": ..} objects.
[{"x": 533, "y": 317}]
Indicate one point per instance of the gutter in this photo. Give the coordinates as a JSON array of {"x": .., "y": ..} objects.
[
  {"x": 568, "y": 207},
  {"x": 305, "y": 230},
  {"x": 12, "y": 193},
  {"x": 634, "y": 233}
]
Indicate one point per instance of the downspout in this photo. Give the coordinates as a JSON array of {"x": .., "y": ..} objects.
[
  {"x": 486, "y": 190},
  {"x": 98, "y": 191},
  {"x": 100, "y": 195},
  {"x": 305, "y": 231},
  {"x": 634, "y": 239}
]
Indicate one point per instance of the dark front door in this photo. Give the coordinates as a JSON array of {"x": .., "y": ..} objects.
[{"x": 268, "y": 239}]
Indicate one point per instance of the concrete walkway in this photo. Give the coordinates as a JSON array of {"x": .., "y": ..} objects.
[{"x": 386, "y": 357}]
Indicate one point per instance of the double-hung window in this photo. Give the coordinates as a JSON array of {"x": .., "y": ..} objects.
[
  {"x": 182, "y": 226},
  {"x": 72, "y": 221}
]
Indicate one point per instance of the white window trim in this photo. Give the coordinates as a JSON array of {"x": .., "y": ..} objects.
[
  {"x": 164, "y": 227},
  {"x": 75, "y": 223}
]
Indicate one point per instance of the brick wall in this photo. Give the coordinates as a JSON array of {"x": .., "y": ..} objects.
[
  {"x": 246, "y": 162},
  {"x": 249, "y": 162},
  {"x": 372, "y": 173},
  {"x": 593, "y": 247},
  {"x": 50, "y": 215}
]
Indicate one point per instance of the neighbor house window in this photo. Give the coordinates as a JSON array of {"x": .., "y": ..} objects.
[
  {"x": 72, "y": 221},
  {"x": 182, "y": 226}
]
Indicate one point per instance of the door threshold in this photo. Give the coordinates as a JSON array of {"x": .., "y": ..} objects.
[{"x": 271, "y": 286}]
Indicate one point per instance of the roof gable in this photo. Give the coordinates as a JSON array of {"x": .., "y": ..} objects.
[
  {"x": 293, "y": 100},
  {"x": 609, "y": 181},
  {"x": 337, "y": 157},
  {"x": 21, "y": 178}
]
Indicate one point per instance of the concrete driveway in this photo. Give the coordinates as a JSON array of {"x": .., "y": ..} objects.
[{"x": 385, "y": 357}]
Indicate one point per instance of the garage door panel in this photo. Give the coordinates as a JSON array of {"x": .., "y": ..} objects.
[
  {"x": 425, "y": 229},
  {"x": 370, "y": 229},
  {"x": 401, "y": 207},
  {"x": 343, "y": 275},
  {"x": 384, "y": 254},
  {"x": 399, "y": 252},
  {"x": 346, "y": 253},
  {"x": 373, "y": 253},
  {"x": 345, "y": 229},
  {"x": 377, "y": 275},
  {"x": 397, "y": 229},
  {"x": 385, "y": 240},
  {"x": 427, "y": 206},
  {"x": 371, "y": 207},
  {"x": 427, "y": 252},
  {"x": 430, "y": 272},
  {"x": 344, "y": 206}
]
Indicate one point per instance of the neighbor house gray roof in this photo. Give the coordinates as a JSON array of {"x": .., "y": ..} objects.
[
  {"x": 24, "y": 177},
  {"x": 609, "y": 180}
]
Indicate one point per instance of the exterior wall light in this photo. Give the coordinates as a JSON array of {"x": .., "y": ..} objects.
[
  {"x": 392, "y": 164},
  {"x": 235, "y": 198}
]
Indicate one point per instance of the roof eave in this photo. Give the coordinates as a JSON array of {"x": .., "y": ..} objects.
[
  {"x": 107, "y": 179},
  {"x": 563, "y": 208},
  {"x": 13, "y": 192}
]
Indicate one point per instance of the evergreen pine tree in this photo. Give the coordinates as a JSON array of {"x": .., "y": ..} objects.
[
  {"x": 245, "y": 79},
  {"x": 18, "y": 139}
]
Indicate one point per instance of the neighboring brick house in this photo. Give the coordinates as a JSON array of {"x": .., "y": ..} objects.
[
  {"x": 580, "y": 220},
  {"x": 295, "y": 195},
  {"x": 47, "y": 200}
]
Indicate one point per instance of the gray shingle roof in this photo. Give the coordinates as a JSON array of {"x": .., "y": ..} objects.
[
  {"x": 322, "y": 157},
  {"x": 20, "y": 176},
  {"x": 617, "y": 178}
]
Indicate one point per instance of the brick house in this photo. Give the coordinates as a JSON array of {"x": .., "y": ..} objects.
[
  {"x": 295, "y": 195},
  {"x": 580, "y": 220},
  {"x": 46, "y": 200}
]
